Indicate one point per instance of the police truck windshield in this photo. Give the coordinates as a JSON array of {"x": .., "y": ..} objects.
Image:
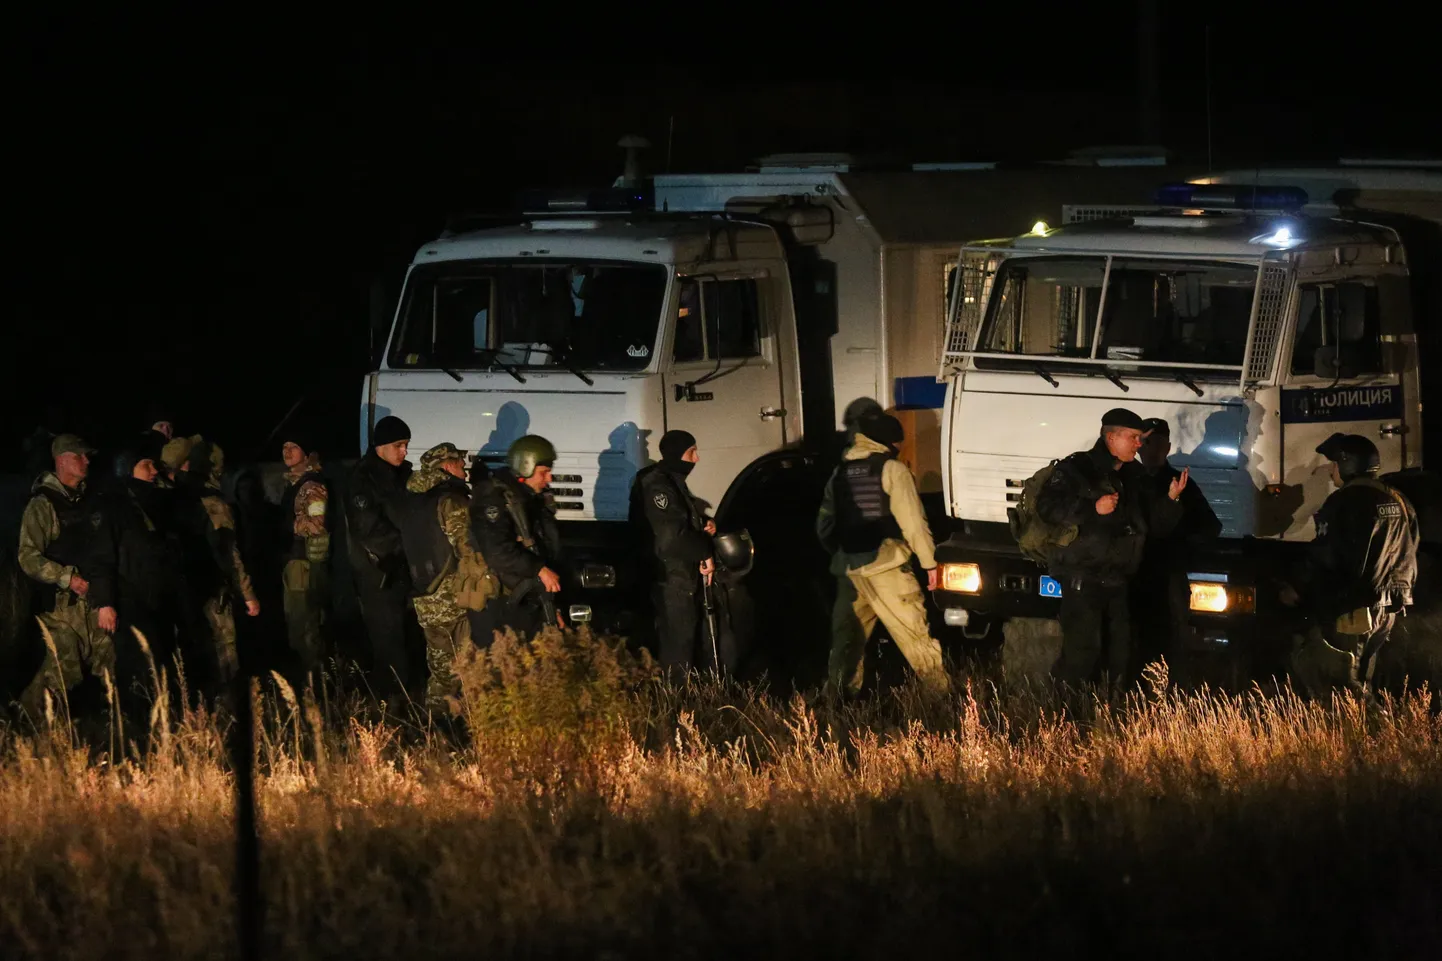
[
  {"x": 476, "y": 315},
  {"x": 1169, "y": 312}
]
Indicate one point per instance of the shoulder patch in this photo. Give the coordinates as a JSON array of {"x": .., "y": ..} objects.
[
  {"x": 361, "y": 501},
  {"x": 493, "y": 513},
  {"x": 661, "y": 500},
  {"x": 1393, "y": 510}
]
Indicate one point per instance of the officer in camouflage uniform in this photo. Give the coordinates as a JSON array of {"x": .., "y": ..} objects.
[
  {"x": 57, "y": 535},
  {"x": 213, "y": 559},
  {"x": 515, "y": 526},
  {"x": 305, "y": 577},
  {"x": 450, "y": 577}
]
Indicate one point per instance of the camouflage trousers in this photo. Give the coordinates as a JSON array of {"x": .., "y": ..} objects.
[
  {"x": 81, "y": 649},
  {"x": 222, "y": 660},
  {"x": 306, "y": 597},
  {"x": 447, "y": 628}
]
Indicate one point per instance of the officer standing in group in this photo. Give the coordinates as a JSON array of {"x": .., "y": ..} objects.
[
  {"x": 1357, "y": 574},
  {"x": 517, "y": 533},
  {"x": 305, "y": 576},
  {"x": 679, "y": 534},
  {"x": 1108, "y": 497},
  {"x": 1158, "y": 592},
  {"x": 377, "y": 556},
  {"x": 872, "y": 522},
  {"x": 451, "y": 579},
  {"x": 213, "y": 559},
  {"x": 140, "y": 571},
  {"x": 57, "y": 551}
]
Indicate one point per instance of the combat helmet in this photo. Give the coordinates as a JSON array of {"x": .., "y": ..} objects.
[
  {"x": 529, "y": 452},
  {"x": 1354, "y": 455}
]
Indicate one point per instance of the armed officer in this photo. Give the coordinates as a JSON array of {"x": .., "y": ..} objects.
[
  {"x": 679, "y": 533},
  {"x": 58, "y": 534},
  {"x": 305, "y": 533},
  {"x": 377, "y": 557},
  {"x": 516, "y": 530},
  {"x": 872, "y": 522},
  {"x": 1113, "y": 506},
  {"x": 1357, "y": 574},
  {"x": 451, "y": 579}
]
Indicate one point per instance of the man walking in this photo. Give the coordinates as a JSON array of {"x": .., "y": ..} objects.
[{"x": 872, "y": 522}]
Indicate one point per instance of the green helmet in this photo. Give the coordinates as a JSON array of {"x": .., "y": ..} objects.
[{"x": 529, "y": 452}]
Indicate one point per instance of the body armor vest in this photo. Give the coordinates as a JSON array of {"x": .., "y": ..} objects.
[
  {"x": 428, "y": 551},
  {"x": 78, "y": 520},
  {"x": 863, "y": 508}
]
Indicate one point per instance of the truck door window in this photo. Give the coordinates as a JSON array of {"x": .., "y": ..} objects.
[
  {"x": 718, "y": 320},
  {"x": 1344, "y": 313}
]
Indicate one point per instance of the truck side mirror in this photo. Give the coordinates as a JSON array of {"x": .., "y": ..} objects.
[{"x": 1337, "y": 362}]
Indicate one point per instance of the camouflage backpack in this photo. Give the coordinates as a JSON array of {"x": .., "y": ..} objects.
[{"x": 1037, "y": 538}]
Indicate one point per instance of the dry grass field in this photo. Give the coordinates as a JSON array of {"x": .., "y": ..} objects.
[{"x": 592, "y": 811}]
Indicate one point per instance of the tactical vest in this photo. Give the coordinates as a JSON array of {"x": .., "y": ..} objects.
[
  {"x": 428, "y": 552},
  {"x": 78, "y": 521},
  {"x": 863, "y": 508}
]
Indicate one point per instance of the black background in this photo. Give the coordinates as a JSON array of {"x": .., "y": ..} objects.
[{"x": 199, "y": 209}]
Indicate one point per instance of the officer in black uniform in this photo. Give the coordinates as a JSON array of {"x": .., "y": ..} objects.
[
  {"x": 678, "y": 532},
  {"x": 1158, "y": 592},
  {"x": 515, "y": 527},
  {"x": 139, "y": 571},
  {"x": 1111, "y": 502},
  {"x": 1358, "y": 573},
  {"x": 377, "y": 557}
]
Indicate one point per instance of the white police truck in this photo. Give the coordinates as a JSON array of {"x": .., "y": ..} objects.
[{"x": 1257, "y": 317}]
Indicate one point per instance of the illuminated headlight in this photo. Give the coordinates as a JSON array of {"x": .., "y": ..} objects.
[
  {"x": 961, "y": 578},
  {"x": 580, "y": 613},
  {"x": 1211, "y": 594},
  {"x": 598, "y": 575}
]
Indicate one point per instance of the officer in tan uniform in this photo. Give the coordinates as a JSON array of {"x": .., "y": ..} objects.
[
  {"x": 872, "y": 522},
  {"x": 451, "y": 578},
  {"x": 57, "y": 535},
  {"x": 213, "y": 557},
  {"x": 305, "y": 577}
]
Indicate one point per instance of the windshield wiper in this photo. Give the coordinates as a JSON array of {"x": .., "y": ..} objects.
[
  {"x": 1041, "y": 372},
  {"x": 1112, "y": 376},
  {"x": 496, "y": 361},
  {"x": 1190, "y": 383},
  {"x": 454, "y": 376},
  {"x": 565, "y": 362}
]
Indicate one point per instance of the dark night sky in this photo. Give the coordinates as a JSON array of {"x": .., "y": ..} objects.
[{"x": 199, "y": 210}]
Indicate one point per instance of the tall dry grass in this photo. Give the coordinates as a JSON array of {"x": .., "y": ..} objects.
[{"x": 594, "y": 811}]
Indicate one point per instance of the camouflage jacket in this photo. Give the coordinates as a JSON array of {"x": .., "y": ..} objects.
[
  {"x": 223, "y": 521},
  {"x": 308, "y": 518},
  {"x": 39, "y": 527}
]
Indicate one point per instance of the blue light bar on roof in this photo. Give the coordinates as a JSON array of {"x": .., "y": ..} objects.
[{"x": 1231, "y": 197}]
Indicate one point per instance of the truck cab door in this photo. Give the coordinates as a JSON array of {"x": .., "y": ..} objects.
[
  {"x": 1344, "y": 376},
  {"x": 729, "y": 380}
]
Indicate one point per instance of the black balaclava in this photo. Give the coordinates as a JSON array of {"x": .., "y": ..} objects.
[{"x": 674, "y": 444}]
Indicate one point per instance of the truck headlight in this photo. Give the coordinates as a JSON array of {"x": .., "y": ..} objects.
[
  {"x": 1218, "y": 597},
  {"x": 961, "y": 578}
]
